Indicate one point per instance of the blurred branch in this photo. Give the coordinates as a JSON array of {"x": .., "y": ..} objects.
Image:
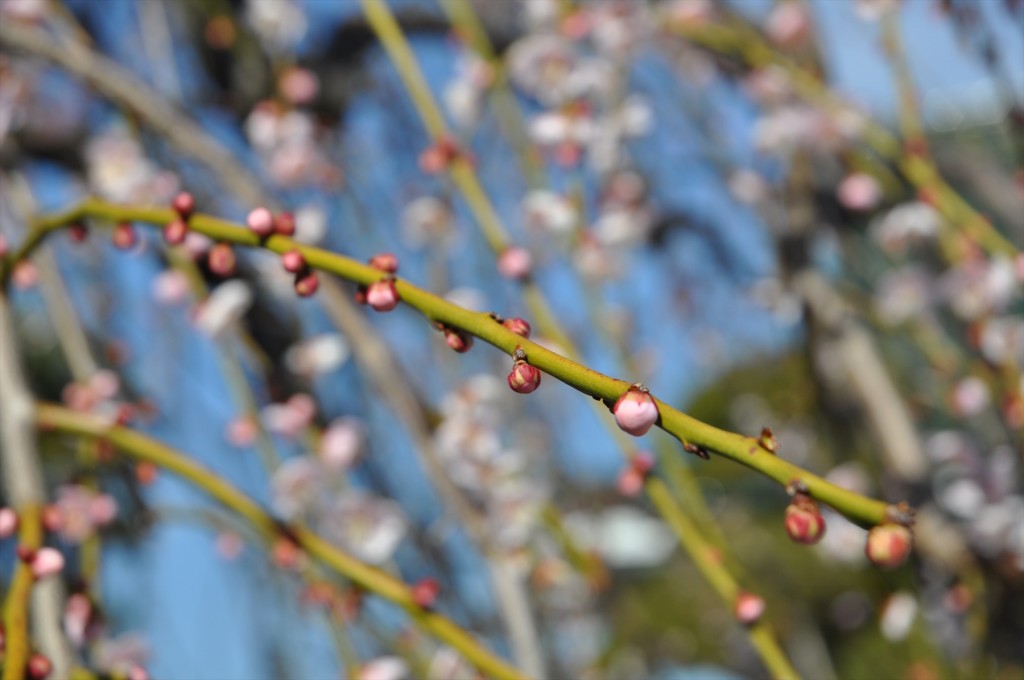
[
  {"x": 733, "y": 37},
  {"x": 25, "y": 490},
  {"x": 688, "y": 430},
  {"x": 132, "y": 94},
  {"x": 56, "y": 418}
]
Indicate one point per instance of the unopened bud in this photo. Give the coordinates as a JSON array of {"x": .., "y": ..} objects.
[
  {"x": 888, "y": 545},
  {"x": 635, "y": 411}
]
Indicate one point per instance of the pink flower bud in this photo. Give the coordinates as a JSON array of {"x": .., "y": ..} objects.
[
  {"x": 184, "y": 204},
  {"x": 8, "y": 522},
  {"x": 630, "y": 482},
  {"x": 635, "y": 411},
  {"x": 457, "y": 340},
  {"x": 888, "y": 545},
  {"x": 748, "y": 608},
  {"x": 307, "y": 284},
  {"x": 293, "y": 261},
  {"x": 515, "y": 263},
  {"x": 221, "y": 260},
  {"x": 261, "y": 222},
  {"x": 386, "y": 262},
  {"x": 425, "y": 592},
  {"x": 642, "y": 462},
  {"x": 382, "y": 295},
  {"x": 804, "y": 522},
  {"x": 175, "y": 232},
  {"x": 518, "y": 326},
  {"x": 859, "y": 191},
  {"x": 47, "y": 562},
  {"x": 241, "y": 431},
  {"x": 38, "y": 667},
  {"x": 24, "y": 275},
  {"x": 524, "y": 378},
  {"x": 285, "y": 224}
]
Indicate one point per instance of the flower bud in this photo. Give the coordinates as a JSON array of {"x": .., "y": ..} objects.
[
  {"x": 386, "y": 262},
  {"x": 459, "y": 341},
  {"x": 518, "y": 326},
  {"x": 46, "y": 562},
  {"x": 425, "y": 592},
  {"x": 524, "y": 378},
  {"x": 382, "y": 295},
  {"x": 124, "y": 236},
  {"x": 78, "y": 232},
  {"x": 221, "y": 260},
  {"x": 438, "y": 157},
  {"x": 306, "y": 284},
  {"x": 293, "y": 261},
  {"x": 8, "y": 522},
  {"x": 38, "y": 667},
  {"x": 175, "y": 232},
  {"x": 285, "y": 224},
  {"x": 888, "y": 545},
  {"x": 515, "y": 263},
  {"x": 52, "y": 518},
  {"x": 635, "y": 411},
  {"x": 748, "y": 608},
  {"x": 261, "y": 222},
  {"x": 184, "y": 204},
  {"x": 804, "y": 522}
]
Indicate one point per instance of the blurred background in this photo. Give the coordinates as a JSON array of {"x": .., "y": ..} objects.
[{"x": 802, "y": 215}]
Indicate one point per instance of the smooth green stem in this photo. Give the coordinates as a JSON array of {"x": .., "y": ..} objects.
[
  {"x": 708, "y": 560},
  {"x": 745, "y": 450},
  {"x": 56, "y": 418},
  {"x": 16, "y": 653}
]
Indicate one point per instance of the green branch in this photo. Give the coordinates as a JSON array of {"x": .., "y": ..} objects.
[
  {"x": 56, "y": 418},
  {"x": 18, "y": 646},
  {"x": 745, "y": 450}
]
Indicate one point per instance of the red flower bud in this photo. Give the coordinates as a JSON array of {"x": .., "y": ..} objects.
[
  {"x": 52, "y": 519},
  {"x": 457, "y": 340},
  {"x": 888, "y": 545},
  {"x": 78, "y": 232},
  {"x": 524, "y": 378},
  {"x": 748, "y": 608},
  {"x": 306, "y": 284},
  {"x": 518, "y": 326},
  {"x": 285, "y": 224},
  {"x": 261, "y": 222},
  {"x": 635, "y": 411},
  {"x": 293, "y": 261},
  {"x": 386, "y": 262},
  {"x": 437, "y": 158},
  {"x": 221, "y": 260},
  {"x": 382, "y": 295},
  {"x": 184, "y": 204},
  {"x": 175, "y": 232},
  {"x": 38, "y": 667},
  {"x": 804, "y": 522},
  {"x": 425, "y": 592},
  {"x": 25, "y": 554},
  {"x": 124, "y": 236}
]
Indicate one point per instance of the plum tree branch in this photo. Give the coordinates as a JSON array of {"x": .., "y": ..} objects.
[
  {"x": 688, "y": 430},
  {"x": 51, "y": 417}
]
